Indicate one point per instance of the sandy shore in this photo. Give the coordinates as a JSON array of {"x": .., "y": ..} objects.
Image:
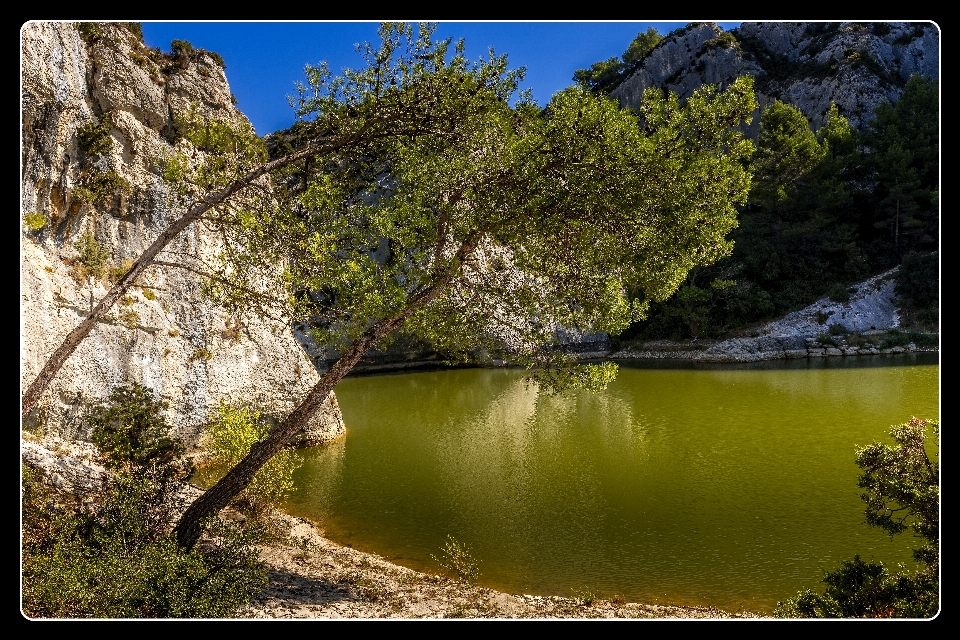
[{"x": 313, "y": 577}]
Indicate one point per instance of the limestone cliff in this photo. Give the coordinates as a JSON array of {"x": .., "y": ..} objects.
[
  {"x": 164, "y": 334},
  {"x": 854, "y": 64}
]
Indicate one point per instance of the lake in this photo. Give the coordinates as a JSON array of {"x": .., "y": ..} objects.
[{"x": 726, "y": 485}]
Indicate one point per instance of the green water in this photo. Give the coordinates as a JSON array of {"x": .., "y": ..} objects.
[{"x": 731, "y": 486}]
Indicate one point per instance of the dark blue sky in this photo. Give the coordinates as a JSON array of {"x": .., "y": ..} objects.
[{"x": 264, "y": 59}]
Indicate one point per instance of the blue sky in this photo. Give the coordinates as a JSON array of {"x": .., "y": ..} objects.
[{"x": 264, "y": 59}]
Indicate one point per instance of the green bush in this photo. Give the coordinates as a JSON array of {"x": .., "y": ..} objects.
[
  {"x": 114, "y": 564},
  {"x": 902, "y": 493},
  {"x": 100, "y": 187},
  {"x": 93, "y": 255},
  {"x": 35, "y": 221},
  {"x": 130, "y": 430},
  {"x": 229, "y": 437},
  {"x": 90, "y": 32},
  {"x": 93, "y": 138},
  {"x": 115, "y": 557}
]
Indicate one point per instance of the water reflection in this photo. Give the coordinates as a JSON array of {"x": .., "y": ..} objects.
[{"x": 732, "y": 486}]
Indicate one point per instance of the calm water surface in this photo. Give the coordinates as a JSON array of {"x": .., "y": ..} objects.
[{"x": 731, "y": 485}]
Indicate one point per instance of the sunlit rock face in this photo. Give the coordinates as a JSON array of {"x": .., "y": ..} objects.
[
  {"x": 856, "y": 65},
  {"x": 164, "y": 335}
]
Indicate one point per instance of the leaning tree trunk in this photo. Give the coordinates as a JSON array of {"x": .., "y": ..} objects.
[{"x": 190, "y": 526}]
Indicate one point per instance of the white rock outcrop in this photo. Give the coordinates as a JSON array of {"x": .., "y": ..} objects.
[{"x": 165, "y": 336}]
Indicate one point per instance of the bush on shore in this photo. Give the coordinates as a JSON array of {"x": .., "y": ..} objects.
[{"x": 114, "y": 556}]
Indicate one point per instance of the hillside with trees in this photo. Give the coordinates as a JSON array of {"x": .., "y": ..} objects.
[{"x": 839, "y": 193}]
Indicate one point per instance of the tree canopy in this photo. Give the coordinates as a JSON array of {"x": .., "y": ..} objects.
[{"x": 486, "y": 226}]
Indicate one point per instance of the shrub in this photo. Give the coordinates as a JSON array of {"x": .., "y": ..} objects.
[
  {"x": 129, "y": 317},
  {"x": 458, "y": 558},
  {"x": 115, "y": 565},
  {"x": 725, "y": 40},
  {"x": 93, "y": 138},
  {"x": 585, "y": 596},
  {"x": 136, "y": 29},
  {"x": 117, "y": 559},
  {"x": 35, "y": 221},
  {"x": 130, "y": 430},
  {"x": 902, "y": 493},
  {"x": 229, "y": 437},
  {"x": 90, "y": 32},
  {"x": 100, "y": 187},
  {"x": 116, "y": 272},
  {"x": 93, "y": 255}
]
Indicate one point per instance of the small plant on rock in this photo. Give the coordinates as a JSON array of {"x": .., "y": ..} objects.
[
  {"x": 93, "y": 138},
  {"x": 35, "y": 221},
  {"x": 93, "y": 256}
]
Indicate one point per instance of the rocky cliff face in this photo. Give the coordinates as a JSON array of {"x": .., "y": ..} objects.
[
  {"x": 856, "y": 65},
  {"x": 164, "y": 334}
]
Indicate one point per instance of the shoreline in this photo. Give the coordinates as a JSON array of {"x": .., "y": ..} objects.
[{"x": 312, "y": 577}]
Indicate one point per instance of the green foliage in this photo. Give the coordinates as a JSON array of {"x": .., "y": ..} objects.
[
  {"x": 456, "y": 557},
  {"x": 229, "y": 437},
  {"x": 603, "y": 77},
  {"x": 585, "y": 596},
  {"x": 130, "y": 430},
  {"x": 100, "y": 187},
  {"x": 93, "y": 256},
  {"x": 129, "y": 317},
  {"x": 116, "y": 272},
  {"x": 901, "y": 486},
  {"x": 115, "y": 558},
  {"x": 515, "y": 220},
  {"x": 905, "y": 167},
  {"x": 90, "y": 32},
  {"x": 202, "y": 354},
  {"x": 117, "y": 563},
  {"x": 93, "y": 138},
  {"x": 787, "y": 150},
  {"x": 136, "y": 29},
  {"x": 183, "y": 53},
  {"x": 861, "y": 589},
  {"x": 641, "y": 46},
  {"x": 809, "y": 225},
  {"x": 725, "y": 40},
  {"x": 229, "y": 149},
  {"x": 34, "y": 221}
]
